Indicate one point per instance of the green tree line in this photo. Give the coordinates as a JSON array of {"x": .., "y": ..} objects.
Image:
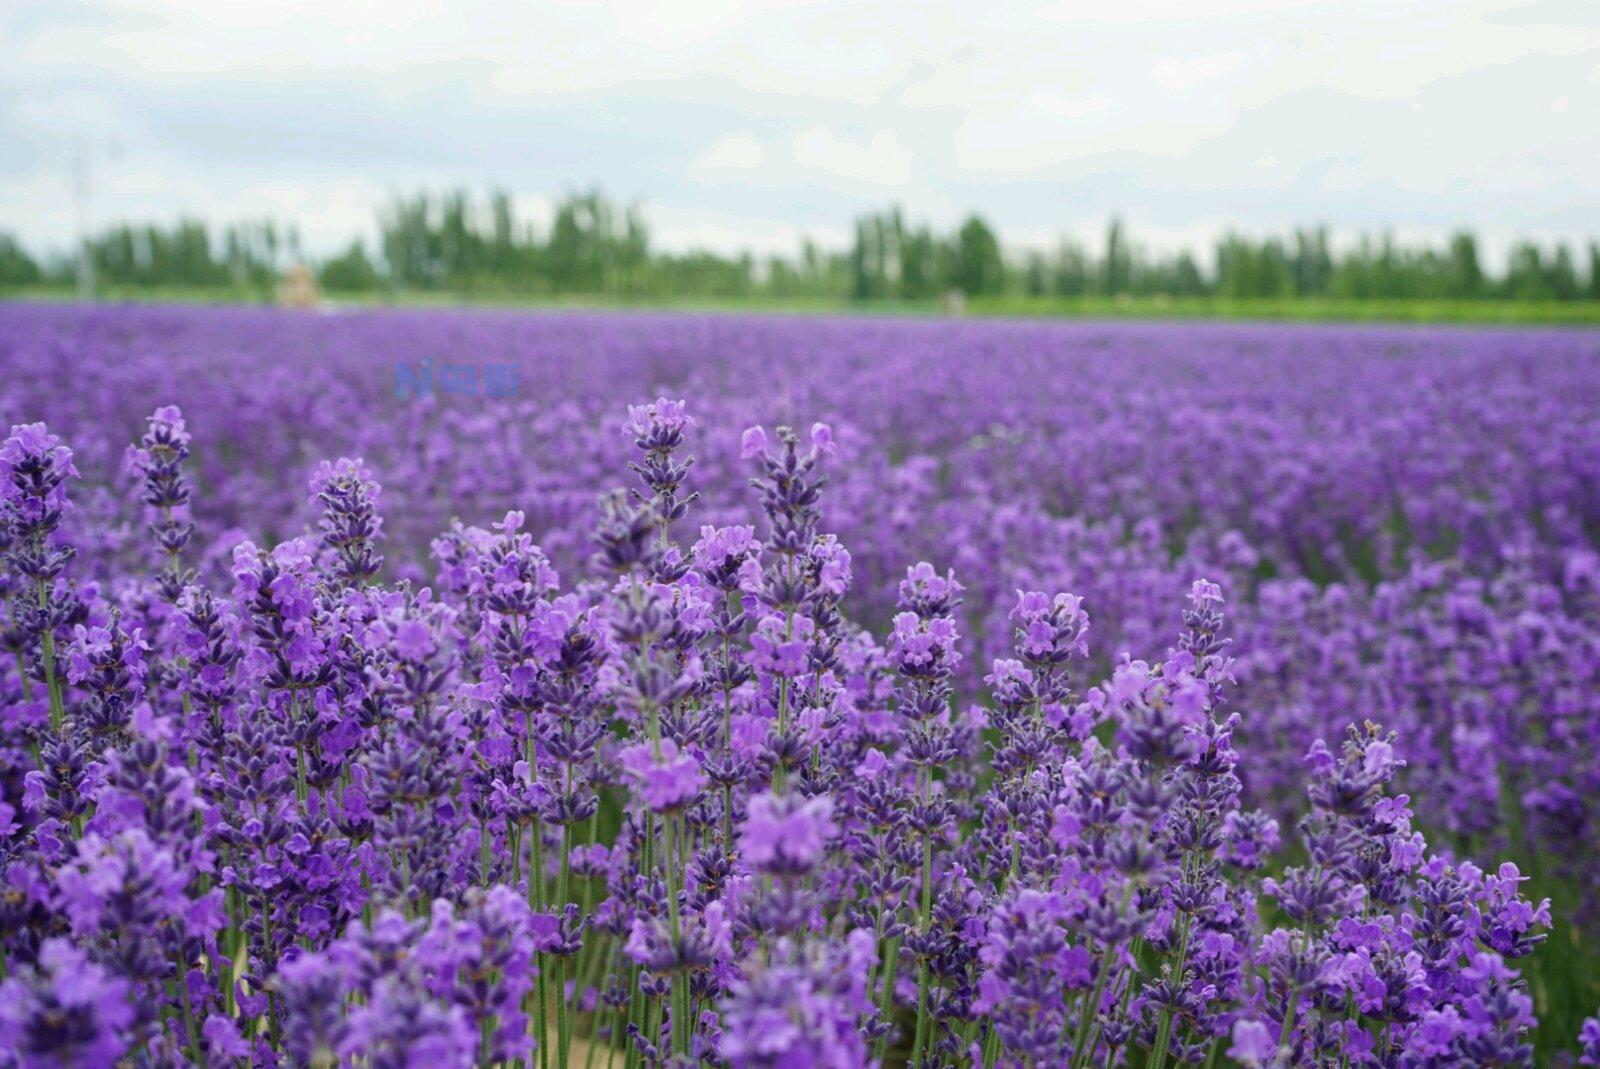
[
  {"x": 592, "y": 246},
  {"x": 185, "y": 254}
]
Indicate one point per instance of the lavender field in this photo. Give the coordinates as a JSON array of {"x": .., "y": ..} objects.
[{"x": 490, "y": 689}]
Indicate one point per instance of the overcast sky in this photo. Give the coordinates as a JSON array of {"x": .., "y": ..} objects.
[{"x": 749, "y": 123}]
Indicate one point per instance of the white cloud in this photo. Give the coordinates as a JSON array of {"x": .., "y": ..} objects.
[
  {"x": 772, "y": 116},
  {"x": 684, "y": 229},
  {"x": 1182, "y": 73},
  {"x": 1151, "y": 11},
  {"x": 881, "y": 160},
  {"x": 1071, "y": 107},
  {"x": 686, "y": 25},
  {"x": 732, "y": 152}
]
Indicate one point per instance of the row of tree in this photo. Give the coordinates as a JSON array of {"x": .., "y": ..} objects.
[
  {"x": 184, "y": 255},
  {"x": 593, "y": 246}
]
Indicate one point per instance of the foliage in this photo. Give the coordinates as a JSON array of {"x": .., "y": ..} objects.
[{"x": 594, "y": 247}]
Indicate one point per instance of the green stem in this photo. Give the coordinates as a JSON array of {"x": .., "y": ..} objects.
[
  {"x": 1080, "y": 1052},
  {"x": 680, "y": 981},
  {"x": 606, "y": 1014},
  {"x": 778, "y": 774},
  {"x": 22, "y": 674},
  {"x": 925, "y": 922},
  {"x": 891, "y": 957},
  {"x": 485, "y": 1039},
  {"x": 637, "y": 1017},
  {"x": 563, "y": 1033},
  {"x": 540, "y": 1017},
  {"x": 301, "y": 791},
  {"x": 1158, "y": 1052},
  {"x": 1288, "y": 1020},
  {"x": 991, "y": 1047},
  {"x": 47, "y": 644},
  {"x": 189, "y": 1025},
  {"x": 563, "y": 1037},
  {"x": 269, "y": 960}
]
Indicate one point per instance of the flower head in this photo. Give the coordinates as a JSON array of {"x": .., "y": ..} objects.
[
  {"x": 786, "y": 834},
  {"x": 65, "y": 1012},
  {"x": 666, "y": 777}
]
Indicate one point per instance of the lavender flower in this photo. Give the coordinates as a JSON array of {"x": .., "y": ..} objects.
[
  {"x": 66, "y": 1011},
  {"x": 803, "y": 1009},
  {"x": 750, "y": 800},
  {"x": 667, "y": 779},
  {"x": 158, "y": 460},
  {"x": 351, "y": 526},
  {"x": 784, "y": 835}
]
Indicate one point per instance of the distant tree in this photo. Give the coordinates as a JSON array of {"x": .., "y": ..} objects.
[
  {"x": 977, "y": 268},
  {"x": 1466, "y": 276},
  {"x": 1274, "y": 277},
  {"x": 1235, "y": 268},
  {"x": 152, "y": 255},
  {"x": 861, "y": 260},
  {"x": 1035, "y": 275},
  {"x": 1562, "y": 277},
  {"x": 1312, "y": 262},
  {"x": 1526, "y": 276},
  {"x": 919, "y": 268},
  {"x": 502, "y": 239},
  {"x": 1116, "y": 270},
  {"x": 1072, "y": 272},
  {"x": 566, "y": 248},
  {"x": 410, "y": 246},
  {"x": 1186, "y": 278},
  {"x": 17, "y": 268},
  {"x": 889, "y": 259},
  {"x": 350, "y": 272},
  {"x": 885, "y": 232},
  {"x": 633, "y": 252},
  {"x": 452, "y": 239}
]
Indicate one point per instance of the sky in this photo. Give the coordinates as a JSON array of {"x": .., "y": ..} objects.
[{"x": 748, "y": 124}]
